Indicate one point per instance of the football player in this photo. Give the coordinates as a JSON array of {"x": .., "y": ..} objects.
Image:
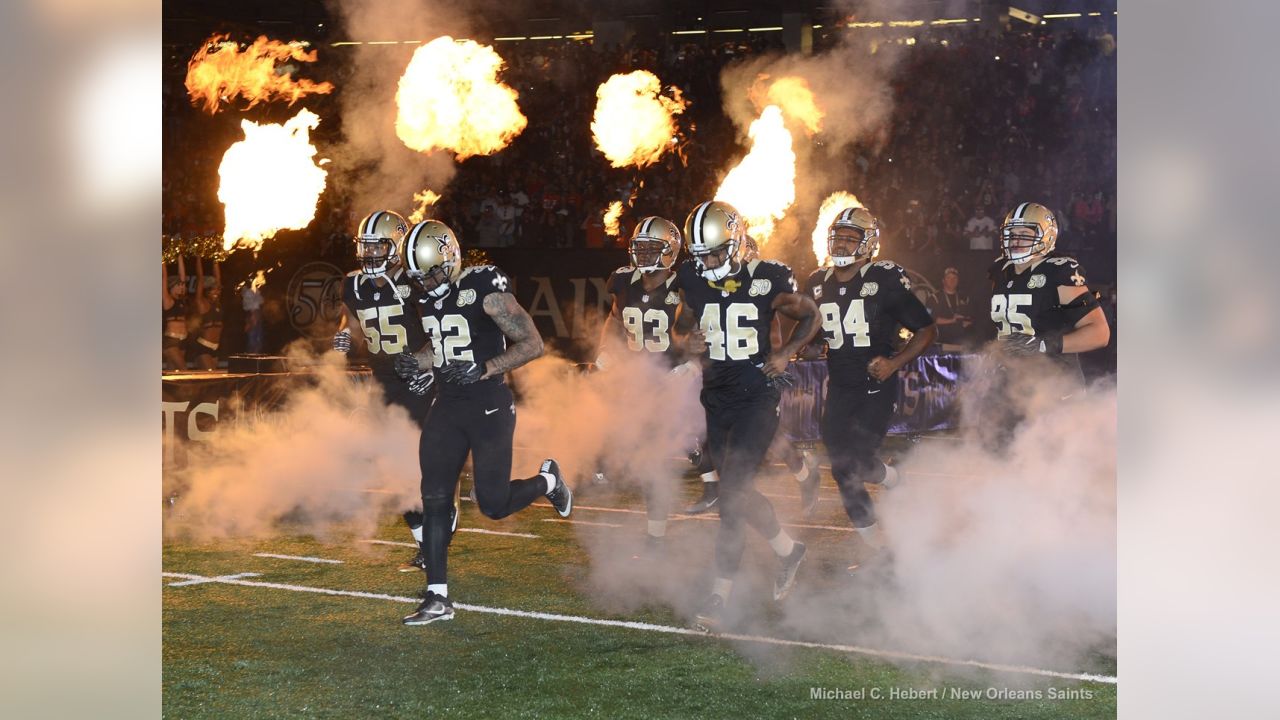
[
  {"x": 733, "y": 304},
  {"x": 645, "y": 301},
  {"x": 862, "y": 303},
  {"x": 1043, "y": 310},
  {"x": 376, "y": 310},
  {"x": 478, "y": 334},
  {"x": 802, "y": 465}
]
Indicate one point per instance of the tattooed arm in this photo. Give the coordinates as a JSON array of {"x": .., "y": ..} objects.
[{"x": 524, "y": 342}]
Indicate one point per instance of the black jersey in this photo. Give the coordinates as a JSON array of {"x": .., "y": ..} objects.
[
  {"x": 861, "y": 317},
  {"x": 647, "y": 315},
  {"x": 1027, "y": 302},
  {"x": 459, "y": 328},
  {"x": 736, "y": 315},
  {"x": 386, "y": 317}
]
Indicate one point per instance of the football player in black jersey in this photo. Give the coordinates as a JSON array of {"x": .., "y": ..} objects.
[
  {"x": 733, "y": 304},
  {"x": 645, "y": 301},
  {"x": 1043, "y": 310},
  {"x": 862, "y": 303},
  {"x": 478, "y": 334},
  {"x": 376, "y": 309}
]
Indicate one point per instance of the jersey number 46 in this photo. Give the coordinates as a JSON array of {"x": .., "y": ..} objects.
[{"x": 734, "y": 339}]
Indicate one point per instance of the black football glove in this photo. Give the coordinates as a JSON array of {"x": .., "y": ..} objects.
[
  {"x": 342, "y": 341},
  {"x": 420, "y": 383},
  {"x": 1021, "y": 344},
  {"x": 785, "y": 380},
  {"x": 461, "y": 373},
  {"x": 406, "y": 365}
]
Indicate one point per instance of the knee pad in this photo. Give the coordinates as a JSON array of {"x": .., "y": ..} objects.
[{"x": 437, "y": 506}]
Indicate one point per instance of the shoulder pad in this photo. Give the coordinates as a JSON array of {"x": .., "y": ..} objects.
[
  {"x": 474, "y": 269},
  {"x": 888, "y": 265},
  {"x": 624, "y": 270}
]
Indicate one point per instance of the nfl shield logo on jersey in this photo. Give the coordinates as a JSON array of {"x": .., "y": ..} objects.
[
  {"x": 1036, "y": 281},
  {"x": 466, "y": 297},
  {"x": 760, "y": 287},
  {"x": 869, "y": 289}
]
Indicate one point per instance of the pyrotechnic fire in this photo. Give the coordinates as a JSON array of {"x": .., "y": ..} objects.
[
  {"x": 634, "y": 123},
  {"x": 793, "y": 95},
  {"x": 220, "y": 71},
  {"x": 763, "y": 186},
  {"x": 450, "y": 98},
  {"x": 269, "y": 181},
  {"x": 611, "y": 217},
  {"x": 834, "y": 203},
  {"x": 423, "y": 200}
]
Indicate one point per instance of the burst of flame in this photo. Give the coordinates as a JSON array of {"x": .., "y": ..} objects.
[
  {"x": 634, "y": 122},
  {"x": 793, "y": 95},
  {"x": 259, "y": 279},
  {"x": 269, "y": 181},
  {"x": 827, "y": 212},
  {"x": 611, "y": 217},
  {"x": 423, "y": 200},
  {"x": 220, "y": 71},
  {"x": 763, "y": 185},
  {"x": 450, "y": 98}
]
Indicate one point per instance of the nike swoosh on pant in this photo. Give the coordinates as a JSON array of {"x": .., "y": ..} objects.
[{"x": 490, "y": 412}]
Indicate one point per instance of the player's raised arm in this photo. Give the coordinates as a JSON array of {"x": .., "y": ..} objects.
[{"x": 524, "y": 342}]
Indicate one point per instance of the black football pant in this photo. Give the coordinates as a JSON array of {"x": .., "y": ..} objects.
[
  {"x": 740, "y": 426},
  {"x": 854, "y": 422},
  {"x": 481, "y": 420},
  {"x": 396, "y": 392}
]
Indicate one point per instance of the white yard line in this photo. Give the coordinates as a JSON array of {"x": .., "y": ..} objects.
[
  {"x": 650, "y": 627},
  {"x": 581, "y": 522},
  {"x": 237, "y": 576},
  {"x": 303, "y": 558}
]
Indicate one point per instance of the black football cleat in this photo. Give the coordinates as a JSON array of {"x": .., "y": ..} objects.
[
  {"x": 710, "y": 496},
  {"x": 561, "y": 496},
  {"x": 432, "y": 609},
  {"x": 787, "y": 572},
  {"x": 710, "y": 616},
  {"x": 417, "y": 563}
]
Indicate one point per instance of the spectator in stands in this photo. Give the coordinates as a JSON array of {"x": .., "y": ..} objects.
[
  {"x": 488, "y": 227},
  {"x": 202, "y": 346},
  {"x": 952, "y": 312},
  {"x": 981, "y": 230},
  {"x": 174, "y": 303}
]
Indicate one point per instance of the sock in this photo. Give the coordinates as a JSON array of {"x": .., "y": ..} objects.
[
  {"x": 871, "y": 535},
  {"x": 802, "y": 474},
  {"x": 721, "y": 587},
  {"x": 417, "y": 533},
  {"x": 782, "y": 544},
  {"x": 890, "y": 476},
  {"x": 441, "y": 589},
  {"x": 551, "y": 481},
  {"x": 657, "y": 528},
  {"x": 711, "y": 477}
]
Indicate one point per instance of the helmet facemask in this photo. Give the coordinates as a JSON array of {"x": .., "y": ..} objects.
[
  {"x": 376, "y": 254},
  {"x": 435, "y": 281},
  {"x": 866, "y": 244},
  {"x": 1023, "y": 242},
  {"x": 726, "y": 254},
  {"x": 651, "y": 255}
]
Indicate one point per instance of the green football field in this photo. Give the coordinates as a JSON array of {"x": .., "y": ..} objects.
[{"x": 559, "y": 619}]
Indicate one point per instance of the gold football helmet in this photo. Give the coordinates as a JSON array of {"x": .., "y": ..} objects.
[
  {"x": 854, "y": 224},
  {"x": 1028, "y": 233},
  {"x": 432, "y": 257},
  {"x": 715, "y": 231},
  {"x": 655, "y": 244},
  {"x": 377, "y": 241}
]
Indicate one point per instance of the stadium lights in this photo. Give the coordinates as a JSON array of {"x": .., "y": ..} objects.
[
  {"x": 816, "y": 27},
  {"x": 1060, "y": 16},
  {"x": 949, "y": 21},
  {"x": 906, "y": 23},
  {"x": 733, "y": 30},
  {"x": 546, "y": 37},
  {"x": 689, "y": 32},
  {"x": 764, "y": 29},
  {"x": 508, "y": 39},
  {"x": 874, "y": 24}
]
